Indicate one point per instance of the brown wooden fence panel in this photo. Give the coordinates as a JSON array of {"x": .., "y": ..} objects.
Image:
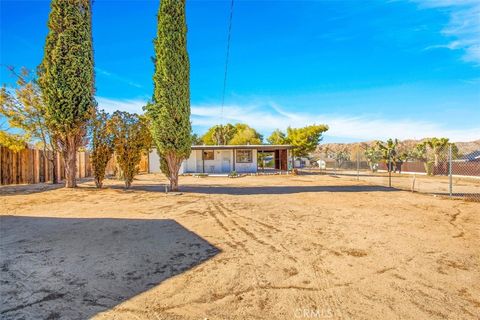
[
  {"x": 30, "y": 166},
  {"x": 111, "y": 168}
]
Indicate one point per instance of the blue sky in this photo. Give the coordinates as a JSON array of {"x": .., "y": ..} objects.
[{"x": 368, "y": 69}]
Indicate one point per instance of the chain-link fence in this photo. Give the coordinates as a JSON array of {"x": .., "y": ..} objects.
[{"x": 444, "y": 175}]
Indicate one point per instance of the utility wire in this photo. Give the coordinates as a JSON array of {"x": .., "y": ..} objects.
[{"x": 226, "y": 59}]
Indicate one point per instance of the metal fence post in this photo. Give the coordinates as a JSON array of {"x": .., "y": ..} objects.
[
  {"x": 450, "y": 169},
  {"x": 389, "y": 167}
]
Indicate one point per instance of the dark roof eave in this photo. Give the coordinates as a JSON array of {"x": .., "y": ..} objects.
[{"x": 251, "y": 147}]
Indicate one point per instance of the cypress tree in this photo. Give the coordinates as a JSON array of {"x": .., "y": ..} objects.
[
  {"x": 169, "y": 111},
  {"x": 66, "y": 77}
]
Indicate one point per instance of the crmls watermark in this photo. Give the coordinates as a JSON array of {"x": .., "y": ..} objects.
[{"x": 309, "y": 313}]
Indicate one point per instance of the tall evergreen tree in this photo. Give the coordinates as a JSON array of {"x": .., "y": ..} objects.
[
  {"x": 66, "y": 77},
  {"x": 169, "y": 111}
]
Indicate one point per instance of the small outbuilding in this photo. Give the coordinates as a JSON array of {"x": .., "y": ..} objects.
[{"x": 224, "y": 159}]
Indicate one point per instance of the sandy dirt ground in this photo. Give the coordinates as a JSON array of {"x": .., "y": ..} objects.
[
  {"x": 462, "y": 187},
  {"x": 259, "y": 247}
]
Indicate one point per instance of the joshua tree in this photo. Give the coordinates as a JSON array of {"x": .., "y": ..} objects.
[
  {"x": 420, "y": 153},
  {"x": 222, "y": 134},
  {"x": 341, "y": 156},
  {"x": 438, "y": 145},
  {"x": 373, "y": 156},
  {"x": 389, "y": 152}
]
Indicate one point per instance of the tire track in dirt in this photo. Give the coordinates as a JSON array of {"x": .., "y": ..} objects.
[
  {"x": 322, "y": 279},
  {"x": 227, "y": 231},
  {"x": 223, "y": 211},
  {"x": 453, "y": 222},
  {"x": 229, "y": 221},
  {"x": 266, "y": 225},
  {"x": 324, "y": 291},
  {"x": 234, "y": 293}
]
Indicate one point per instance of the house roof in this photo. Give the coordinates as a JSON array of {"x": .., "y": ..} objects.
[
  {"x": 473, "y": 156},
  {"x": 259, "y": 147}
]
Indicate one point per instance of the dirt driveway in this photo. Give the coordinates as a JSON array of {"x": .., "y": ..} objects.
[{"x": 264, "y": 247}]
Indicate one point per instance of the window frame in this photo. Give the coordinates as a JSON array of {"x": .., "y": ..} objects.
[
  {"x": 250, "y": 157},
  {"x": 205, "y": 152}
]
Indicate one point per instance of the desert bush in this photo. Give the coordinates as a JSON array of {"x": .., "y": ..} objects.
[
  {"x": 102, "y": 145},
  {"x": 131, "y": 138}
]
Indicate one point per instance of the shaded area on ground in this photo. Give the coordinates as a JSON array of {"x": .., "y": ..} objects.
[
  {"x": 17, "y": 189},
  {"x": 75, "y": 268},
  {"x": 244, "y": 190}
]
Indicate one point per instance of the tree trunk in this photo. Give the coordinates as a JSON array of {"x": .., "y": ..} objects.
[
  {"x": 174, "y": 181},
  {"x": 54, "y": 168},
  {"x": 173, "y": 167},
  {"x": 70, "y": 156},
  {"x": 98, "y": 182},
  {"x": 436, "y": 156}
]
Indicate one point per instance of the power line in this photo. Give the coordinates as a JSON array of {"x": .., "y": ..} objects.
[{"x": 226, "y": 58}]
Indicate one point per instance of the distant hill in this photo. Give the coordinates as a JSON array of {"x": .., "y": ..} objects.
[{"x": 350, "y": 148}]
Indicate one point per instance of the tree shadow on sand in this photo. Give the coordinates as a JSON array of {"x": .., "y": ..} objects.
[
  {"x": 228, "y": 190},
  {"x": 75, "y": 268},
  {"x": 22, "y": 189}
]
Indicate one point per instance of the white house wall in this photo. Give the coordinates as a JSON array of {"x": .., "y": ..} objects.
[
  {"x": 191, "y": 162},
  {"x": 153, "y": 162},
  {"x": 219, "y": 164},
  {"x": 247, "y": 167},
  {"x": 222, "y": 162}
]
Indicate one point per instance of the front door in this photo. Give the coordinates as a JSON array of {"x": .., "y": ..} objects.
[{"x": 226, "y": 161}]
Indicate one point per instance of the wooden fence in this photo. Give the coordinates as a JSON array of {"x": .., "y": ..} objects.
[
  {"x": 111, "y": 168},
  {"x": 30, "y": 166}
]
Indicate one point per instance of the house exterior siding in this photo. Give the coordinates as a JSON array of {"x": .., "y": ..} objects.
[{"x": 225, "y": 159}]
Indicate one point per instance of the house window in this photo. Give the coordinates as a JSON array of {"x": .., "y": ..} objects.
[
  {"x": 208, "y": 155},
  {"x": 244, "y": 156}
]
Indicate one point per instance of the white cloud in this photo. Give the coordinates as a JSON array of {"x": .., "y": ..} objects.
[
  {"x": 463, "y": 27},
  {"x": 116, "y": 77},
  {"x": 267, "y": 117},
  {"x": 363, "y": 127},
  {"x": 111, "y": 105}
]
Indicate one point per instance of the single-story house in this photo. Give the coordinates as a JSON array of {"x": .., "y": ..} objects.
[
  {"x": 224, "y": 159},
  {"x": 472, "y": 156}
]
